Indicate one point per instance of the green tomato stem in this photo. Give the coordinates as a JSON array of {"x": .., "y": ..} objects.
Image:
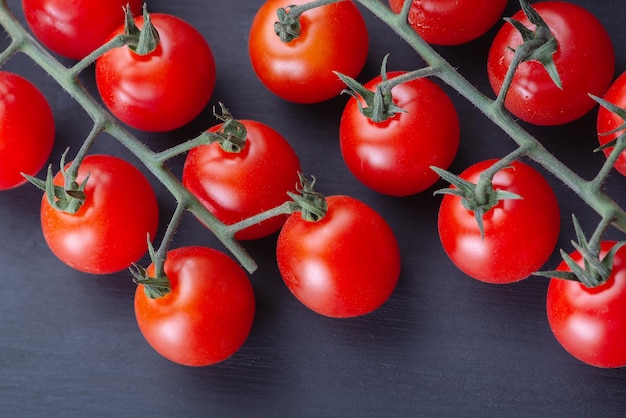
[{"x": 282, "y": 209}]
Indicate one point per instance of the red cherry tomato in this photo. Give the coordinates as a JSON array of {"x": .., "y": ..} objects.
[
  {"x": 346, "y": 264},
  {"x": 590, "y": 323},
  {"x": 164, "y": 89},
  {"x": 451, "y": 22},
  {"x": 109, "y": 231},
  {"x": 519, "y": 234},
  {"x": 26, "y": 130},
  {"x": 584, "y": 59},
  {"x": 236, "y": 185},
  {"x": 333, "y": 38},
  {"x": 208, "y": 314},
  {"x": 75, "y": 28},
  {"x": 609, "y": 121},
  {"x": 394, "y": 157}
]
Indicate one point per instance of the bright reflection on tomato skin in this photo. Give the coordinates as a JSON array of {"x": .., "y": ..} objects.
[{"x": 590, "y": 323}]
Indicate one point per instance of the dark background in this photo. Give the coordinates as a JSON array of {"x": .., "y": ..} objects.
[{"x": 444, "y": 344}]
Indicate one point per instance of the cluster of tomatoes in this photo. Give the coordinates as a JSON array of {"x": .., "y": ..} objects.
[{"x": 208, "y": 309}]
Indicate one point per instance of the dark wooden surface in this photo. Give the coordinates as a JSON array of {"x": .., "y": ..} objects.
[{"x": 443, "y": 345}]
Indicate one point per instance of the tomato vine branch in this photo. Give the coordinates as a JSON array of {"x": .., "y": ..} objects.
[
  {"x": 588, "y": 191},
  {"x": 67, "y": 78}
]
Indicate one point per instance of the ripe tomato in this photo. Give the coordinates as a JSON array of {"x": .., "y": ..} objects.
[
  {"x": 609, "y": 121},
  {"x": 208, "y": 314},
  {"x": 333, "y": 38},
  {"x": 451, "y": 22},
  {"x": 26, "y": 130},
  {"x": 584, "y": 59},
  {"x": 75, "y": 28},
  {"x": 109, "y": 231},
  {"x": 236, "y": 185},
  {"x": 590, "y": 323},
  {"x": 164, "y": 89},
  {"x": 394, "y": 157},
  {"x": 344, "y": 265},
  {"x": 519, "y": 234}
]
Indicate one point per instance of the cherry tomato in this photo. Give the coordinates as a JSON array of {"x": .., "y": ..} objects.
[
  {"x": 208, "y": 314},
  {"x": 346, "y": 264},
  {"x": 590, "y": 323},
  {"x": 236, "y": 185},
  {"x": 26, "y": 130},
  {"x": 75, "y": 28},
  {"x": 584, "y": 59},
  {"x": 451, "y": 22},
  {"x": 519, "y": 234},
  {"x": 109, "y": 231},
  {"x": 164, "y": 89},
  {"x": 394, "y": 157},
  {"x": 333, "y": 38},
  {"x": 609, "y": 121}
]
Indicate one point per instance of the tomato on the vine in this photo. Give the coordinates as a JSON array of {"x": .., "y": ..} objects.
[
  {"x": 75, "y": 28},
  {"x": 332, "y": 38},
  {"x": 518, "y": 236},
  {"x": 109, "y": 231},
  {"x": 26, "y": 130},
  {"x": 208, "y": 314},
  {"x": 345, "y": 264},
  {"x": 590, "y": 322},
  {"x": 451, "y": 22},
  {"x": 609, "y": 121},
  {"x": 394, "y": 157},
  {"x": 584, "y": 60},
  {"x": 164, "y": 89},
  {"x": 237, "y": 185}
]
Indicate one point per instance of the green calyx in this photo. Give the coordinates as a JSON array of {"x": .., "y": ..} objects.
[
  {"x": 288, "y": 26},
  {"x": 232, "y": 135},
  {"x": 619, "y": 112},
  {"x": 67, "y": 199},
  {"x": 595, "y": 271},
  {"x": 309, "y": 202},
  {"x": 379, "y": 104},
  {"x": 539, "y": 45},
  {"x": 478, "y": 198},
  {"x": 146, "y": 39},
  {"x": 154, "y": 287}
]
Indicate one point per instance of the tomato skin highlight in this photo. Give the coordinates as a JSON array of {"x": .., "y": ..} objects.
[
  {"x": 394, "y": 157},
  {"x": 347, "y": 264},
  {"x": 334, "y": 38},
  {"x": 519, "y": 234},
  {"x": 237, "y": 185},
  {"x": 109, "y": 231},
  {"x": 608, "y": 121},
  {"x": 585, "y": 60},
  {"x": 590, "y": 323},
  {"x": 165, "y": 89},
  {"x": 451, "y": 22},
  {"x": 208, "y": 314},
  {"x": 27, "y": 130},
  {"x": 75, "y": 28}
]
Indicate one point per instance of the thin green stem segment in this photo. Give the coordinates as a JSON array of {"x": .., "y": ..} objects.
[{"x": 589, "y": 191}]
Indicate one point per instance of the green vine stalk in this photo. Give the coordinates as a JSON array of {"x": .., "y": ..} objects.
[
  {"x": 103, "y": 121},
  {"x": 590, "y": 191}
]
